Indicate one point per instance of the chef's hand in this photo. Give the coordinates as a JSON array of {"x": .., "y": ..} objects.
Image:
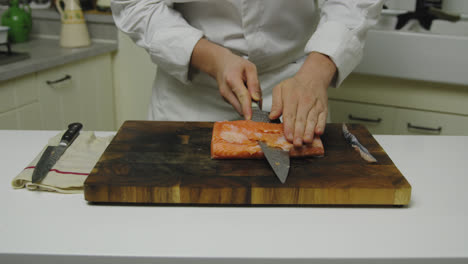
[
  {"x": 237, "y": 77},
  {"x": 303, "y": 100}
]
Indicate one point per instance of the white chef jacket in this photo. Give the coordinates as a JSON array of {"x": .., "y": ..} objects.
[{"x": 275, "y": 35}]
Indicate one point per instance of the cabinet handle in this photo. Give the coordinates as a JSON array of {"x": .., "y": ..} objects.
[
  {"x": 378, "y": 120},
  {"x": 439, "y": 129},
  {"x": 67, "y": 77}
]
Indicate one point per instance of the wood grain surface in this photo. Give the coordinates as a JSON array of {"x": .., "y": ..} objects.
[{"x": 169, "y": 163}]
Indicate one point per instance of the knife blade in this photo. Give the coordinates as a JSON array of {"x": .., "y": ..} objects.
[
  {"x": 53, "y": 153},
  {"x": 276, "y": 157},
  {"x": 354, "y": 142}
]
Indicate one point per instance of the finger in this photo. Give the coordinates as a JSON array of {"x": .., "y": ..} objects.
[
  {"x": 252, "y": 82},
  {"x": 304, "y": 109},
  {"x": 289, "y": 115},
  {"x": 240, "y": 91},
  {"x": 321, "y": 123},
  {"x": 277, "y": 103},
  {"x": 311, "y": 125},
  {"x": 229, "y": 96}
]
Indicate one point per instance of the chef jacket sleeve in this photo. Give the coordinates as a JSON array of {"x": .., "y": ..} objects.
[
  {"x": 161, "y": 30},
  {"x": 341, "y": 32}
]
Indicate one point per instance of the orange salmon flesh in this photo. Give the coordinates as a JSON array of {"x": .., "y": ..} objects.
[{"x": 238, "y": 140}]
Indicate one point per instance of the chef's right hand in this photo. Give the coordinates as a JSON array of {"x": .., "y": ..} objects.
[{"x": 237, "y": 77}]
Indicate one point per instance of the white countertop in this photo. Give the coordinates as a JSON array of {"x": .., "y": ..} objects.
[{"x": 46, "y": 227}]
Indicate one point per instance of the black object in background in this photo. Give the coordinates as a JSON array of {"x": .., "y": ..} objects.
[
  {"x": 86, "y": 5},
  {"x": 422, "y": 14}
]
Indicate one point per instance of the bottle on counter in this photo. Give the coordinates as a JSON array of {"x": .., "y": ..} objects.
[
  {"x": 19, "y": 20},
  {"x": 74, "y": 31}
]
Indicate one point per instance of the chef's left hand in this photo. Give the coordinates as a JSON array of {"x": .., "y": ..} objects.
[{"x": 303, "y": 100}]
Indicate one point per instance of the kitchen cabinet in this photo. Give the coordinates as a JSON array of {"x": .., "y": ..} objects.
[
  {"x": 377, "y": 119},
  {"x": 8, "y": 120},
  {"x": 414, "y": 122},
  {"x": 19, "y": 106},
  {"x": 399, "y": 121},
  {"x": 397, "y": 106},
  {"x": 76, "y": 92}
]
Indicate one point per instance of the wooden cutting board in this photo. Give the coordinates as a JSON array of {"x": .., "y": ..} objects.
[{"x": 169, "y": 163}]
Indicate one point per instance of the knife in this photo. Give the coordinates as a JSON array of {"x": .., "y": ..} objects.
[
  {"x": 354, "y": 142},
  {"x": 53, "y": 153},
  {"x": 276, "y": 157}
]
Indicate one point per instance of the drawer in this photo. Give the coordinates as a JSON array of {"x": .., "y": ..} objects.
[
  {"x": 78, "y": 92},
  {"x": 9, "y": 120},
  {"x": 7, "y": 96},
  {"x": 17, "y": 92},
  {"x": 29, "y": 117},
  {"x": 415, "y": 122},
  {"x": 59, "y": 96},
  {"x": 377, "y": 119},
  {"x": 53, "y": 98}
]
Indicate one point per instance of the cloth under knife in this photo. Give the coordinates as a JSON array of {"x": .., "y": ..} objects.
[{"x": 71, "y": 170}]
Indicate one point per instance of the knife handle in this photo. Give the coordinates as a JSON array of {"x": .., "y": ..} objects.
[
  {"x": 257, "y": 104},
  {"x": 71, "y": 133}
]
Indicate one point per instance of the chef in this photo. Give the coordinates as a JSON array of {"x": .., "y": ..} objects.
[{"x": 215, "y": 57}]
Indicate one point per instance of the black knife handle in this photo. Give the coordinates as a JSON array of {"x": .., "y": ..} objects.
[{"x": 71, "y": 134}]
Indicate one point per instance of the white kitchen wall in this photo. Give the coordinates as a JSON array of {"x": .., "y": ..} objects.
[
  {"x": 401, "y": 4},
  {"x": 133, "y": 80},
  {"x": 454, "y": 6}
]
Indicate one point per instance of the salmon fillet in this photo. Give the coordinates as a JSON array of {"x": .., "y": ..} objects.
[{"x": 238, "y": 140}]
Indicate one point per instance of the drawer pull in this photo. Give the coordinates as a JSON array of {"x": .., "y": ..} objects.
[
  {"x": 378, "y": 120},
  {"x": 439, "y": 129},
  {"x": 67, "y": 77}
]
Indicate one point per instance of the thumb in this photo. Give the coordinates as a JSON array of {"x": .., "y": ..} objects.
[{"x": 277, "y": 103}]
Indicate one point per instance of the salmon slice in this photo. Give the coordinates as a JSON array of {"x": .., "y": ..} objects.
[{"x": 238, "y": 140}]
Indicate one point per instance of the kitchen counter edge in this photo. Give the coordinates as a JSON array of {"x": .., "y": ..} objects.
[{"x": 45, "y": 53}]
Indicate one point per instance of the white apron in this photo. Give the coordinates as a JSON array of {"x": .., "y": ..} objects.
[
  {"x": 201, "y": 101},
  {"x": 274, "y": 35}
]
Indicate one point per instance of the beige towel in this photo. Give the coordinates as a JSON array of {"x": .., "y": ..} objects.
[{"x": 71, "y": 170}]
